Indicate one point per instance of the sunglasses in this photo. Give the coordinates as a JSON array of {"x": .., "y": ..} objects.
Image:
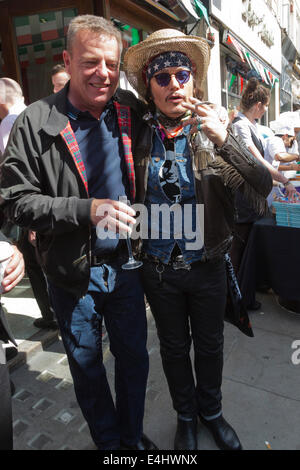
[{"x": 163, "y": 79}]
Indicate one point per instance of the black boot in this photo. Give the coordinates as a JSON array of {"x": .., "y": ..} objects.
[
  {"x": 186, "y": 435},
  {"x": 223, "y": 434},
  {"x": 144, "y": 444}
]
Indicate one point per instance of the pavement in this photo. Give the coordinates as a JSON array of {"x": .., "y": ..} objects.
[{"x": 261, "y": 383}]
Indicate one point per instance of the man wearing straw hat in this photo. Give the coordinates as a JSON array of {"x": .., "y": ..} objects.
[{"x": 186, "y": 158}]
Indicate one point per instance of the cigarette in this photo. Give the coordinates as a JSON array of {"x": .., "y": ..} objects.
[
  {"x": 188, "y": 116},
  {"x": 268, "y": 445}
]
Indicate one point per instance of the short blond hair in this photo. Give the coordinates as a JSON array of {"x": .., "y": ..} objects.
[
  {"x": 95, "y": 24},
  {"x": 10, "y": 91}
]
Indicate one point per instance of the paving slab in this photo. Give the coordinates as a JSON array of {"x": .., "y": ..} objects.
[
  {"x": 260, "y": 387},
  {"x": 21, "y": 310}
]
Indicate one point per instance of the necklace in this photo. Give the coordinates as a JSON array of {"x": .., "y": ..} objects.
[{"x": 170, "y": 127}]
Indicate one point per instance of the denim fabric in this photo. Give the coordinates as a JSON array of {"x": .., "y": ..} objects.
[
  {"x": 116, "y": 296},
  {"x": 162, "y": 246}
]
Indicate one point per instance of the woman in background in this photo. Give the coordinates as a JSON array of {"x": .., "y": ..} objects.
[{"x": 253, "y": 105}]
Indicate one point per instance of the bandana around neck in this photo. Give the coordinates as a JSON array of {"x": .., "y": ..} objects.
[
  {"x": 167, "y": 59},
  {"x": 171, "y": 127}
]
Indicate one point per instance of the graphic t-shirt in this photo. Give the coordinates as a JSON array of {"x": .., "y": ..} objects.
[{"x": 168, "y": 175}]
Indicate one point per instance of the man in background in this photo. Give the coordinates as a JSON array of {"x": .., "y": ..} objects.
[
  {"x": 11, "y": 105},
  {"x": 14, "y": 273}
]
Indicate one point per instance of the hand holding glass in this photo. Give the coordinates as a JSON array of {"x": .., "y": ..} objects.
[{"x": 132, "y": 263}]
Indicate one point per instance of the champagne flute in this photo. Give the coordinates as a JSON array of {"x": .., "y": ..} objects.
[{"x": 132, "y": 263}]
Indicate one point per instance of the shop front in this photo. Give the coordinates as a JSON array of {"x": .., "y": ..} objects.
[
  {"x": 238, "y": 64},
  {"x": 248, "y": 44},
  {"x": 33, "y": 34}
]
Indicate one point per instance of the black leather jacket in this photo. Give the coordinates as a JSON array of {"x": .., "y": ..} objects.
[{"x": 216, "y": 180}]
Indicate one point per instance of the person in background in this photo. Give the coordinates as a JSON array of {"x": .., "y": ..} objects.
[
  {"x": 59, "y": 77},
  {"x": 254, "y": 103},
  {"x": 290, "y": 119},
  {"x": 13, "y": 275},
  {"x": 11, "y": 105},
  {"x": 67, "y": 164},
  {"x": 278, "y": 153},
  {"x": 264, "y": 131},
  {"x": 185, "y": 284},
  {"x": 284, "y": 156}
]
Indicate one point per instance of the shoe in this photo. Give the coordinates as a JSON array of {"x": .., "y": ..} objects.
[
  {"x": 143, "y": 444},
  {"x": 46, "y": 324},
  {"x": 10, "y": 353},
  {"x": 186, "y": 435},
  {"x": 223, "y": 434},
  {"x": 292, "y": 306},
  {"x": 256, "y": 305}
]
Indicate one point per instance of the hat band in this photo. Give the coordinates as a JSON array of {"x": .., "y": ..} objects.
[{"x": 165, "y": 60}]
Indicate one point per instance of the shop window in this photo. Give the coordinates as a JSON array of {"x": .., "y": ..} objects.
[
  {"x": 234, "y": 79},
  {"x": 232, "y": 86},
  {"x": 218, "y": 4},
  {"x": 130, "y": 37},
  {"x": 41, "y": 39},
  {"x": 130, "y": 34}
]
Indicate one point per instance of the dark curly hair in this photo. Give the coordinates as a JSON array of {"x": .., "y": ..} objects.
[{"x": 254, "y": 93}]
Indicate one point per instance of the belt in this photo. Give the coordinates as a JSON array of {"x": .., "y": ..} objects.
[
  {"x": 176, "y": 262},
  {"x": 98, "y": 260}
]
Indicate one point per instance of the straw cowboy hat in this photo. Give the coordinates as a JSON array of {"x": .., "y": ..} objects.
[{"x": 164, "y": 40}]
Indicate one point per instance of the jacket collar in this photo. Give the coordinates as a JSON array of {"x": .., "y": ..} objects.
[{"x": 58, "y": 119}]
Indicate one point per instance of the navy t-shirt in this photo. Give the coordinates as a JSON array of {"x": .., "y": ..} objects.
[{"x": 102, "y": 152}]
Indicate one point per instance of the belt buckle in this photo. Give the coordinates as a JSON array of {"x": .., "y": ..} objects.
[{"x": 180, "y": 264}]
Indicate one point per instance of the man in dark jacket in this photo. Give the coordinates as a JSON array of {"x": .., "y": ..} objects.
[
  {"x": 66, "y": 165},
  {"x": 15, "y": 272}
]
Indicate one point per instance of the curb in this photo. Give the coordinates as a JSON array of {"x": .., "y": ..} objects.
[{"x": 32, "y": 345}]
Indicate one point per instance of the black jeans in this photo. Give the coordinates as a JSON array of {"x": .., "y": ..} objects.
[{"x": 189, "y": 306}]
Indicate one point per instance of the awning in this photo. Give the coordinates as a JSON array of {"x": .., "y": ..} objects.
[
  {"x": 268, "y": 76},
  {"x": 192, "y": 8},
  {"x": 201, "y": 10},
  {"x": 166, "y": 11}
]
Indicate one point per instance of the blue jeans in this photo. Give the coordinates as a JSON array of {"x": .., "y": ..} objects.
[{"x": 116, "y": 296}]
